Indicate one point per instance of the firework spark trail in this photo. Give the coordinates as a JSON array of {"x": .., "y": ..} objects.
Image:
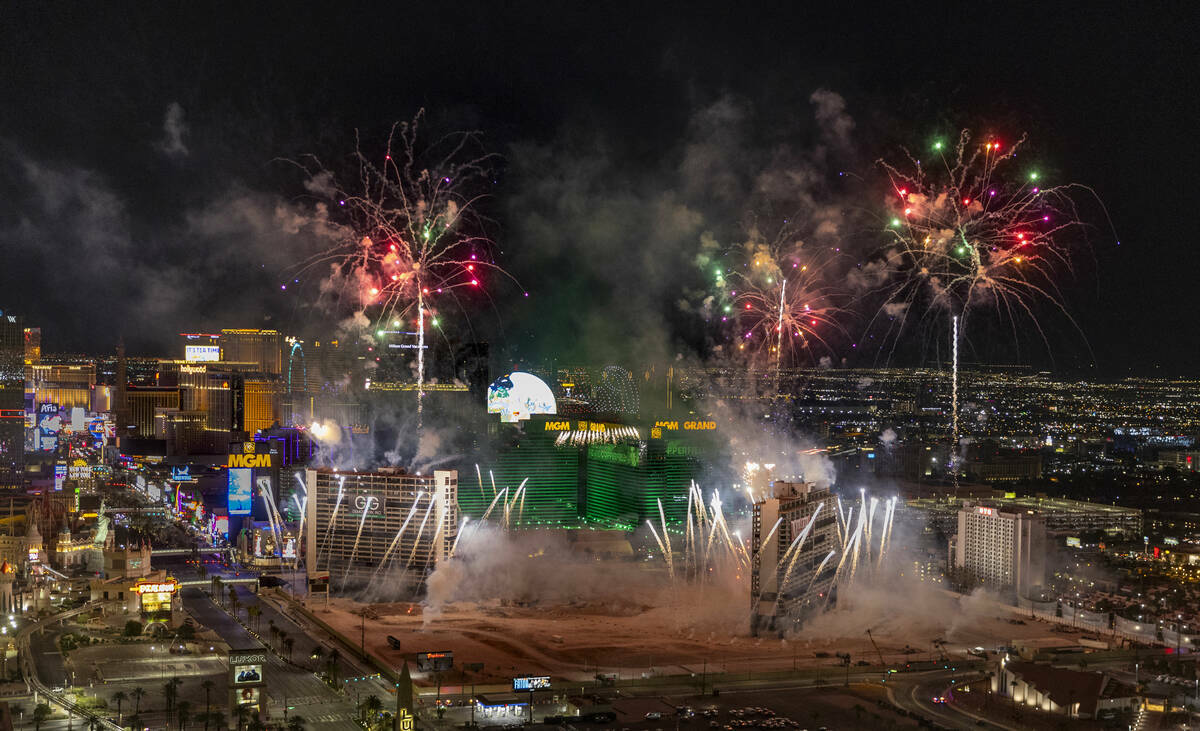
[
  {"x": 770, "y": 533},
  {"x": 779, "y": 333},
  {"x": 479, "y": 476},
  {"x": 333, "y": 518},
  {"x": 817, "y": 573},
  {"x": 662, "y": 547},
  {"x": 396, "y": 540},
  {"x": 689, "y": 546},
  {"x": 781, "y": 562},
  {"x": 885, "y": 535},
  {"x": 856, "y": 544},
  {"x": 872, "y": 503},
  {"x": 488, "y": 512},
  {"x": 441, "y": 525},
  {"x": 799, "y": 544},
  {"x": 667, "y": 536},
  {"x": 420, "y": 356},
  {"x": 420, "y": 531},
  {"x": 846, "y": 553},
  {"x": 354, "y": 550},
  {"x": 954, "y": 409},
  {"x": 303, "y": 508},
  {"x": 303, "y": 515},
  {"x": 846, "y": 531},
  {"x": 461, "y": 529},
  {"x": 270, "y": 519},
  {"x": 521, "y": 509},
  {"x": 712, "y": 527},
  {"x": 493, "y": 479}
]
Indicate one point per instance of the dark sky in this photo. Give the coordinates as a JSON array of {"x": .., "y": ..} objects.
[{"x": 142, "y": 192}]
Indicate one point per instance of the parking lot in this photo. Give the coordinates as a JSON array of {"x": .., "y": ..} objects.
[{"x": 767, "y": 710}]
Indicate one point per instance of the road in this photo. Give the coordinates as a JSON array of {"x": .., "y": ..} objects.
[
  {"x": 25, "y": 654},
  {"x": 915, "y": 693},
  {"x": 301, "y": 690}
]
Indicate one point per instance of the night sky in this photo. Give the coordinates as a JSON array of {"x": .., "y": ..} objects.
[{"x": 145, "y": 189}]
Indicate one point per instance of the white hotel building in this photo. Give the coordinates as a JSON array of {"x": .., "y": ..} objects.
[{"x": 1002, "y": 549}]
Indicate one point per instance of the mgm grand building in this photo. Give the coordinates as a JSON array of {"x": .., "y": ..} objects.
[
  {"x": 386, "y": 530},
  {"x": 599, "y": 464}
]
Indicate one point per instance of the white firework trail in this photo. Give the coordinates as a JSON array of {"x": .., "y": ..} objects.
[
  {"x": 662, "y": 516},
  {"x": 461, "y": 529},
  {"x": 391, "y": 547},
  {"x": 799, "y": 543},
  {"x": 817, "y": 573},
  {"x": 333, "y": 517},
  {"x": 495, "y": 500},
  {"x": 662, "y": 547},
  {"x": 417, "y": 541},
  {"x": 354, "y": 550}
]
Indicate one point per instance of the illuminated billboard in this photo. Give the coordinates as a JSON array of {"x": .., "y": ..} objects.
[
  {"x": 201, "y": 353},
  {"x": 531, "y": 683},
  {"x": 520, "y": 395},
  {"x": 240, "y": 496},
  {"x": 49, "y": 424},
  {"x": 248, "y": 674},
  {"x": 435, "y": 661}
]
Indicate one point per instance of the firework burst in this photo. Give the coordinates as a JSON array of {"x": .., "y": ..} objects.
[
  {"x": 972, "y": 227},
  {"x": 774, "y": 304},
  {"x": 415, "y": 239}
]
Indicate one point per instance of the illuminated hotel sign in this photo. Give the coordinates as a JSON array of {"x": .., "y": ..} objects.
[
  {"x": 166, "y": 587},
  {"x": 406, "y": 720},
  {"x": 248, "y": 458},
  {"x": 202, "y": 353},
  {"x": 687, "y": 425},
  {"x": 987, "y": 511}
]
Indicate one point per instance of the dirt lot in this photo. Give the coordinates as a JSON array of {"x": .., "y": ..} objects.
[{"x": 677, "y": 632}]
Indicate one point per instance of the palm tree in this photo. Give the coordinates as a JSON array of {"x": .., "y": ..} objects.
[
  {"x": 171, "y": 691},
  {"x": 373, "y": 706},
  {"x": 233, "y": 601},
  {"x": 271, "y": 628},
  {"x": 137, "y": 694},
  {"x": 40, "y": 714},
  {"x": 183, "y": 714},
  {"x": 316, "y": 655},
  {"x": 207, "y": 685},
  {"x": 296, "y": 723},
  {"x": 216, "y": 588},
  {"x": 288, "y": 642},
  {"x": 253, "y": 612},
  {"x": 119, "y": 697},
  {"x": 334, "y": 667}
]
